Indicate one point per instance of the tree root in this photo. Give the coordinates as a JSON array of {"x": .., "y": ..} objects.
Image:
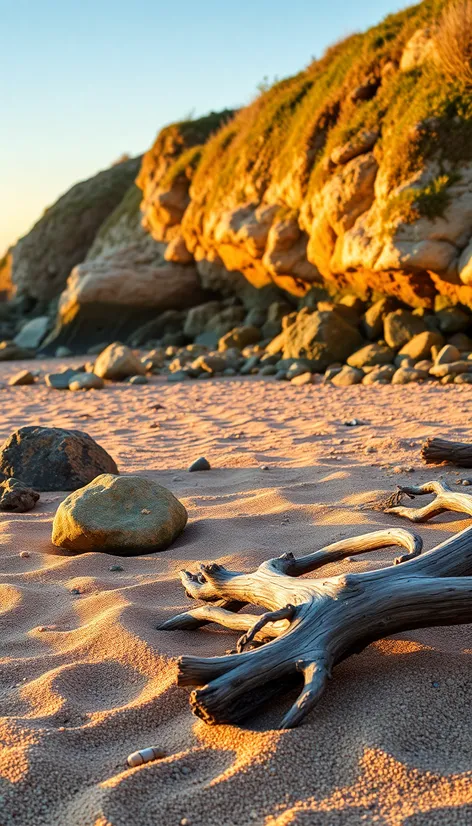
[{"x": 313, "y": 624}]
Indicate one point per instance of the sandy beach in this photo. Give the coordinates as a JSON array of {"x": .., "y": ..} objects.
[{"x": 86, "y": 678}]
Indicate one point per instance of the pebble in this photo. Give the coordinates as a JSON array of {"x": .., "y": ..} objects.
[
  {"x": 75, "y": 592},
  {"x": 264, "y": 467},
  {"x": 25, "y": 554},
  {"x": 24, "y": 377},
  {"x": 137, "y": 758},
  {"x": 352, "y": 423},
  {"x": 138, "y": 380},
  {"x": 115, "y": 568},
  {"x": 199, "y": 464}
]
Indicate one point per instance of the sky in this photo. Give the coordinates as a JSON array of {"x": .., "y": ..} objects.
[{"x": 83, "y": 81}]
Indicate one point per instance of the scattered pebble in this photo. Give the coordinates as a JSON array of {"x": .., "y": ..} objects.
[
  {"x": 264, "y": 467},
  {"x": 199, "y": 464},
  {"x": 137, "y": 758},
  {"x": 25, "y": 554},
  {"x": 115, "y": 568},
  {"x": 75, "y": 592},
  {"x": 352, "y": 423}
]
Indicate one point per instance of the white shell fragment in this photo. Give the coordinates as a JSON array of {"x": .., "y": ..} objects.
[{"x": 137, "y": 758}]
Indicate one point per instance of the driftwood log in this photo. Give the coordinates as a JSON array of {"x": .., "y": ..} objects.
[
  {"x": 436, "y": 451},
  {"x": 312, "y": 624}
]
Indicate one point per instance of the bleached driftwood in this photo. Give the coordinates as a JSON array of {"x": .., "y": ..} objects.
[{"x": 313, "y": 624}]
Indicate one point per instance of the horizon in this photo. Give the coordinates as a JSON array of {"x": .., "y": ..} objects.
[{"x": 57, "y": 130}]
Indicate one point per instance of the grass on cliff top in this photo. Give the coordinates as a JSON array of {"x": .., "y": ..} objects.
[{"x": 283, "y": 138}]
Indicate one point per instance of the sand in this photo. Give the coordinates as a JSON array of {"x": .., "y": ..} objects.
[{"x": 86, "y": 678}]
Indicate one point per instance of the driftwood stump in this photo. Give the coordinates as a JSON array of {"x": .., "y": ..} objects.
[
  {"x": 436, "y": 451},
  {"x": 313, "y": 624}
]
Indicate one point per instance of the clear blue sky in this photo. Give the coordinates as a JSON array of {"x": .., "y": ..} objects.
[{"x": 83, "y": 81}]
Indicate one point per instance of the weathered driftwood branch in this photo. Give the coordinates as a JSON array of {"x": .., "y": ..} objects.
[
  {"x": 313, "y": 624},
  {"x": 436, "y": 451}
]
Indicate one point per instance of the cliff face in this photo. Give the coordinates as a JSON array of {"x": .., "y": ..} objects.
[
  {"x": 43, "y": 259},
  {"x": 356, "y": 174}
]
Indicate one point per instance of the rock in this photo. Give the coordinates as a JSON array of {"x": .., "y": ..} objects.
[
  {"x": 371, "y": 355},
  {"x": 229, "y": 371},
  {"x": 453, "y": 320},
  {"x": 462, "y": 342},
  {"x": 301, "y": 379},
  {"x": 198, "y": 318},
  {"x": 401, "y": 326},
  {"x": 331, "y": 372},
  {"x": 424, "y": 364},
  {"x": 463, "y": 378},
  {"x": 32, "y": 333},
  {"x": 362, "y": 142},
  {"x": 208, "y": 339},
  {"x": 239, "y": 337},
  {"x": 138, "y": 380},
  {"x": 96, "y": 349},
  {"x": 382, "y": 374},
  {"x": 347, "y": 376},
  {"x": 9, "y": 351},
  {"x": 211, "y": 363},
  {"x": 177, "y": 251},
  {"x": 43, "y": 259},
  {"x": 323, "y": 337},
  {"x": 298, "y": 367},
  {"x": 199, "y": 464},
  {"x": 179, "y": 375},
  {"x": 419, "y": 347},
  {"x": 250, "y": 365},
  {"x": 16, "y": 496},
  {"x": 63, "y": 352},
  {"x": 118, "y": 362},
  {"x": 86, "y": 381},
  {"x": 419, "y": 48},
  {"x": 373, "y": 318},
  {"x": 61, "y": 381},
  {"x": 50, "y": 458},
  {"x": 406, "y": 375},
  {"x": 451, "y": 368},
  {"x": 447, "y": 355},
  {"x": 119, "y": 513},
  {"x": 22, "y": 378},
  {"x": 269, "y": 370}
]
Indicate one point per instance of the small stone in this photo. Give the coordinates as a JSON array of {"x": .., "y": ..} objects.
[
  {"x": 199, "y": 464},
  {"x": 60, "y": 381},
  {"x": 63, "y": 352},
  {"x": 138, "y": 380},
  {"x": 86, "y": 381},
  {"x": 17, "y": 497},
  {"x": 137, "y": 758},
  {"x": 466, "y": 482},
  {"x": 264, "y": 467},
  {"x": 25, "y": 554},
  {"x": 24, "y": 377},
  {"x": 352, "y": 423},
  {"x": 75, "y": 592},
  {"x": 301, "y": 379},
  {"x": 114, "y": 568}
]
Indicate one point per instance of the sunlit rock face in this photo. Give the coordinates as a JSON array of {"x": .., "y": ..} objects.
[{"x": 43, "y": 259}]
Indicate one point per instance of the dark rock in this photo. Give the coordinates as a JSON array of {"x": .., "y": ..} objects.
[
  {"x": 322, "y": 336},
  {"x": 239, "y": 337},
  {"x": 16, "y": 496},
  {"x": 24, "y": 377},
  {"x": 199, "y": 464},
  {"x": 400, "y": 327},
  {"x": 371, "y": 355},
  {"x": 9, "y": 351},
  {"x": 373, "y": 318},
  {"x": 138, "y": 380},
  {"x": 50, "y": 458},
  {"x": 60, "y": 381},
  {"x": 453, "y": 320}
]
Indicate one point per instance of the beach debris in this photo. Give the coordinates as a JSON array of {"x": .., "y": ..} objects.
[
  {"x": 199, "y": 464},
  {"x": 137, "y": 758},
  {"x": 51, "y": 458},
  {"x": 24, "y": 377},
  {"x": 128, "y": 513},
  {"x": 17, "y": 497},
  {"x": 317, "y": 623}
]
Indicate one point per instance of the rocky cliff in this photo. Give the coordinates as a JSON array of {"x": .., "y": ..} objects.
[{"x": 355, "y": 174}]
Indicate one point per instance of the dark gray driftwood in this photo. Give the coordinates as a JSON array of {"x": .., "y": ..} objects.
[
  {"x": 313, "y": 624},
  {"x": 436, "y": 451}
]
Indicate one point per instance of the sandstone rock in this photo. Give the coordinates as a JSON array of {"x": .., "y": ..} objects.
[
  {"x": 423, "y": 364},
  {"x": 239, "y": 337},
  {"x": 24, "y": 377},
  {"x": 50, "y": 458},
  {"x": 16, "y": 496},
  {"x": 211, "y": 363},
  {"x": 347, "y": 376},
  {"x": 406, "y": 375},
  {"x": 32, "y": 333},
  {"x": 322, "y": 337},
  {"x": 419, "y": 347},
  {"x": 451, "y": 368},
  {"x": 401, "y": 326},
  {"x": 371, "y": 355},
  {"x": 86, "y": 381},
  {"x": 372, "y": 321},
  {"x": 126, "y": 514},
  {"x": 463, "y": 378},
  {"x": 418, "y": 49},
  {"x": 9, "y": 351},
  {"x": 382, "y": 374},
  {"x": 177, "y": 251},
  {"x": 43, "y": 259},
  {"x": 362, "y": 142},
  {"x": 199, "y": 464},
  {"x": 118, "y": 362},
  {"x": 447, "y": 355}
]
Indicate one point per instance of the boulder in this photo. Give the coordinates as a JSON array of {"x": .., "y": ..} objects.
[
  {"x": 50, "y": 458},
  {"x": 451, "y": 369},
  {"x": 382, "y": 374},
  {"x": 86, "y": 381},
  {"x": 419, "y": 347},
  {"x": 16, "y": 496},
  {"x": 9, "y": 351},
  {"x": 373, "y": 318},
  {"x": 323, "y": 337},
  {"x": 24, "y": 377},
  {"x": 453, "y": 320},
  {"x": 239, "y": 337},
  {"x": 33, "y": 332},
  {"x": 401, "y": 326},
  {"x": 198, "y": 318},
  {"x": 406, "y": 375},
  {"x": 118, "y": 362},
  {"x": 347, "y": 376},
  {"x": 462, "y": 342},
  {"x": 124, "y": 514},
  {"x": 371, "y": 355},
  {"x": 61, "y": 380},
  {"x": 447, "y": 355}
]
